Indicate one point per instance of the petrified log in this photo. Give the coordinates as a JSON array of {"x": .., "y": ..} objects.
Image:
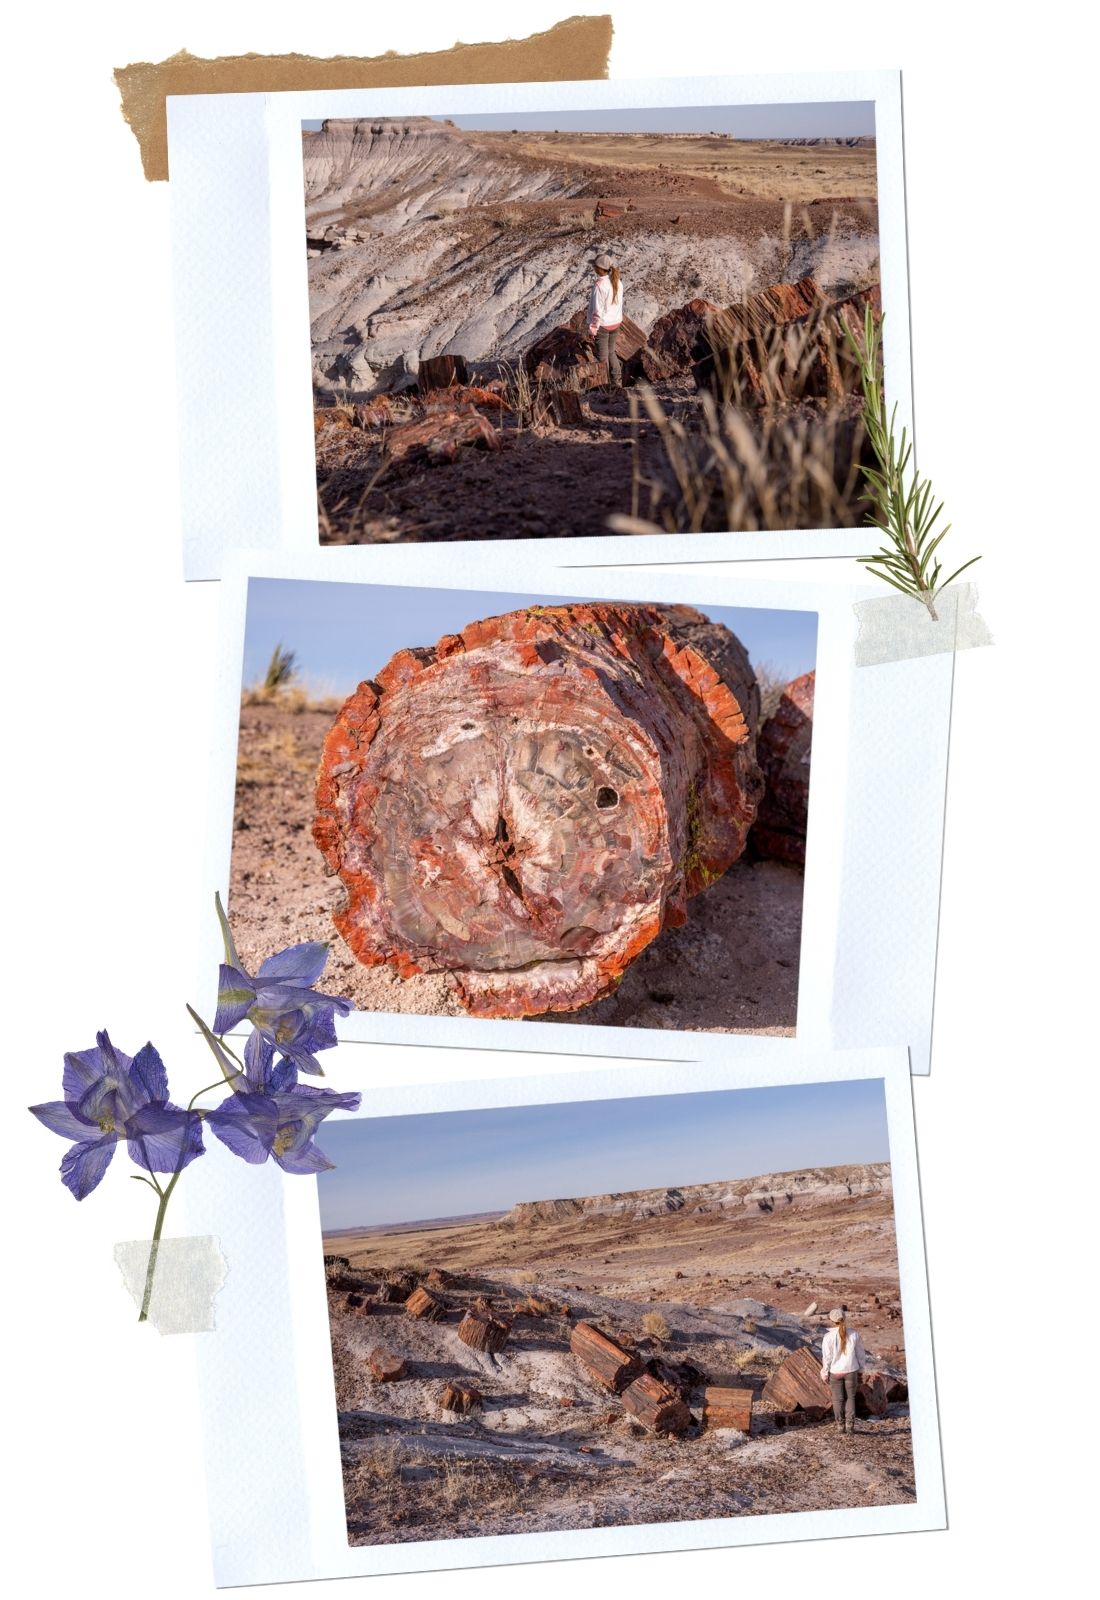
[
  {"x": 460, "y": 1397},
  {"x": 358, "y": 1305},
  {"x": 797, "y": 1383},
  {"x": 426, "y": 1305},
  {"x": 672, "y": 339},
  {"x": 656, "y": 1405},
  {"x": 438, "y": 437},
  {"x": 783, "y": 752},
  {"x": 439, "y": 1278},
  {"x": 728, "y": 1408},
  {"x": 550, "y": 357},
  {"x": 783, "y": 345},
  {"x": 631, "y": 336},
  {"x": 385, "y": 1365},
  {"x": 897, "y": 1391},
  {"x": 529, "y": 803},
  {"x": 603, "y": 1359},
  {"x": 441, "y": 372},
  {"x": 481, "y": 1330}
]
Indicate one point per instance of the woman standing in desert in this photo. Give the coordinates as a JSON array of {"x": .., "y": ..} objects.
[
  {"x": 842, "y": 1360},
  {"x": 605, "y": 315}
]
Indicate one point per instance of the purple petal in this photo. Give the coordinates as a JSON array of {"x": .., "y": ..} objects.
[
  {"x": 306, "y": 1101},
  {"x": 284, "y": 1076},
  {"x": 108, "y": 1104},
  {"x": 164, "y": 1138},
  {"x": 83, "y": 1067},
  {"x": 247, "y": 1125},
  {"x": 148, "y": 1076},
  {"x": 258, "y": 1058},
  {"x": 84, "y": 1165},
  {"x": 304, "y": 1159},
  {"x": 60, "y": 1117},
  {"x": 301, "y": 965},
  {"x": 302, "y": 1061},
  {"x": 236, "y": 993}
]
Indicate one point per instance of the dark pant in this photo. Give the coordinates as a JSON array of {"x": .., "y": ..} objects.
[
  {"x": 605, "y": 351},
  {"x": 844, "y": 1386}
]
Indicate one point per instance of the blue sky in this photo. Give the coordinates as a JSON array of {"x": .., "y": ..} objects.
[
  {"x": 406, "y": 1169},
  {"x": 832, "y": 119},
  {"x": 345, "y": 632}
]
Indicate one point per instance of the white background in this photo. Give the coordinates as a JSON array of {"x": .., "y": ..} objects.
[{"x": 111, "y": 661}]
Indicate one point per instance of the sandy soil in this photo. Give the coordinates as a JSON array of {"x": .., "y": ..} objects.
[
  {"x": 768, "y": 169},
  {"x": 733, "y": 967},
  {"x": 551, "y": 1448}
]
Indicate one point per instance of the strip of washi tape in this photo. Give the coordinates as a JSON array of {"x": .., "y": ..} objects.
[
  {"x": 577, "y": 48},
  {"x": 187, "y": 1276},
  {"x": 899, "y": 628}
]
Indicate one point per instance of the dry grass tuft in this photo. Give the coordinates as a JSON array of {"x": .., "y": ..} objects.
[{"x": 655, "y": 1326}]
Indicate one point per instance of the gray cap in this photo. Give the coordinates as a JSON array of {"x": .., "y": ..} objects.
[
  {"x": 837, "y": 1315},
  {"x": 602, "y": 263}
]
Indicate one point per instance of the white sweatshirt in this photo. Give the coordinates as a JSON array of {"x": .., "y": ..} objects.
[
  {"x": 853, "y": 1358},
  {"x": 605, "y": 310}
]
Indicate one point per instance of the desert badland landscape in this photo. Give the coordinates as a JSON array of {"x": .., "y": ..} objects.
[
  {"x": 457, "y": 395},
  {"x": 618, "y": 1358}
]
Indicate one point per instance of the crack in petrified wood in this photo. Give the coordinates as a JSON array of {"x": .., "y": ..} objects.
[{"x": 528, "y": 804}]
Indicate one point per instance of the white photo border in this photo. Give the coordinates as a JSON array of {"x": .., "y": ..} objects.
[{"x": 247, "y": 465}]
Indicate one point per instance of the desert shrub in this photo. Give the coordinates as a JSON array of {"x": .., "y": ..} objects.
[
  {"x": 527, "y": 1279},
  {"x": 771, "y": 683},
  {"x": 748, "y": 1326},
  {"x": 655, "y": 1326}
]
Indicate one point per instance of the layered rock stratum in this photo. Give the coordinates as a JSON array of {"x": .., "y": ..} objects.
[{"x": 774, "y": 1191}]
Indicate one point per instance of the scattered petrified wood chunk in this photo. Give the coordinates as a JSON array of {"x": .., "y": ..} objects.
[
  {"x": 567, "y": 410},
  {"x": 426, "y": 1305},
  {"x": 439, "y": 1278},
  {"x": 783, "y": 751},
  {"x": 527, "y": 804},
  {"x": 460, "y": 1397},
  {"x": 872, "y": 1396},
  {"x": 728, "y": 1408},
  {"x": 804, "y": 1417},
  {"x": 358, "y": 1305},
  {"x": 603, "y": 1359},
  {"x": 656, "y": 1405},
  {"x": 439, "y": 436},
  {"x": 670, "y": 345},
  {"x": 442, "y": 372},
  {"x": 481, "y": 1330},
  {"x": 897, "y": 1391},
  {"x": 782, "y": 345},
  {"x": 485, "y": 399},
  {"x": 385, "y": 1365},
  {"x": 797, "y": 1383}
]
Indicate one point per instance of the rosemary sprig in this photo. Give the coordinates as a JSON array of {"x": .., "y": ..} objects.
[{"x": 904, "y": 514}]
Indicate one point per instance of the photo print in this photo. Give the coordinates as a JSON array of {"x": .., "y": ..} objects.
[
  {"x": 532, "y": 312},
  {"x": 520, "y": 806},
  {"x": 616, "y": 1312},
  {"x": 575, "y": 1314},
  {"x": 543, "y": 325}
]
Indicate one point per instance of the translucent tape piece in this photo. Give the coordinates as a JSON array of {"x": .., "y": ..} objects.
[
  {"x": 186, "y": 1278},
  {"x": 899, "y": 628}
]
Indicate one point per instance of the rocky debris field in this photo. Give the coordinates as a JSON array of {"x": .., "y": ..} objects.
[
  {"x": 547, "y": 1371},
  {"x": 733, "y": 967}
]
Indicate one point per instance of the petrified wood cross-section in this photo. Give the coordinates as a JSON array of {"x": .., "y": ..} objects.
[{"x": 527, "y": 804}]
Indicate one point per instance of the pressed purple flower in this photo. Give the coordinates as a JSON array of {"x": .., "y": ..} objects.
[
  {"x": 280, "y": 1001},
  {"x": 111, "y": 1096},
  {"x": 279, "y": 1123}
]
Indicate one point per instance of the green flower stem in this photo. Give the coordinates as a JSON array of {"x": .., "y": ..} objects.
[{"x": 165, "y": 1196}]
